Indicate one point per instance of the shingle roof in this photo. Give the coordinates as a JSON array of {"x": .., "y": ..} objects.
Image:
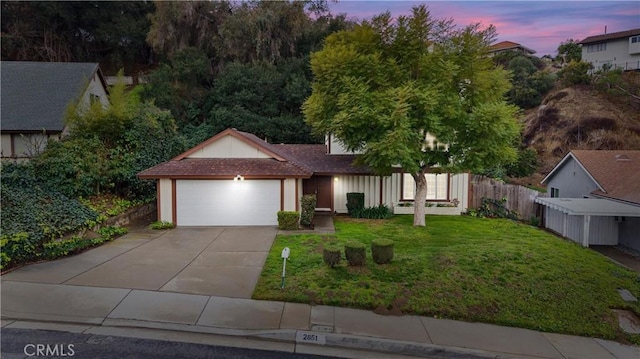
[
  {"x": 507, "y": 45},
  {"x": 297, "y": 160},
  {"x": 35, "y": 95},
  {"x": 315, "y": 158},
  {"x": 224, "y": 168},
  {"x": 611, "y": 36},
  {"x": 617, "y": 172}
]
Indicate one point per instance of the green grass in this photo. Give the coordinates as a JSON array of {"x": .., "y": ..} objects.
[{"x": 459, "y": 267}]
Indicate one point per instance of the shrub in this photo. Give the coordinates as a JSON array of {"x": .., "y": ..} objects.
[
  {"x": 355, "y": 202},
  {"x": 576, "y": 73},
  {"x": 382, "y": 250},
  {"x": 56, "y": 249},
  {"x": 288, "y": 220},
  {"x": 308, "y": 204},
  {"x": 161, "y": 225},
  {"x": 355, "y": 253},
  {"x": 331, "y": 256},
  {"x": 377, "y": 212},
  {"x": 16, "y": 248},
  {"x": 112, "y": 232}
]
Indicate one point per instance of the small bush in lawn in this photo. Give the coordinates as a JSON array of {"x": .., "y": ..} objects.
[
  {"x": 355, "y": 202},
  {"x": 331, "y": 256},
  {"x": 382, "y": 250},
  {"x": 288, "y": 220},
  {"x": 308, "y": 204},
  {"x": 355, "y": 253},
  {"x": 161, "y": 225},
  {"x": 377, "y": 212}
]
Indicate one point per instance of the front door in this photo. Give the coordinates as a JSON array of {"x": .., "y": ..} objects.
[{"x": 321, "y": 187}]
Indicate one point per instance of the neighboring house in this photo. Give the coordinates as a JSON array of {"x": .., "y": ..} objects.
[
  {"x": 505, "y": 46},
  {"x": 595, "y": 198},
  {"x": 236, "y": 178},
  {"x": 616, "y": 50},
  {"x": 35, "y": 97}
]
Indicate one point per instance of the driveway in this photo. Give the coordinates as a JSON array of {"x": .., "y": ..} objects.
[{"x": 217, "y": 261}]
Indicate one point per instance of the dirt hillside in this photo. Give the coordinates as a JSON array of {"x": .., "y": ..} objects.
[{"x": 581, "y": 117}]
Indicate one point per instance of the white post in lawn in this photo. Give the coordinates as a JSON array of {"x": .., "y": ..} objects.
[{"x": 285, "y": 255}]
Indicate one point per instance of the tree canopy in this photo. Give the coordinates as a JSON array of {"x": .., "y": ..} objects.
[
  {"x": 382, "y": 87},
  {"x": 570, "y": 50}
]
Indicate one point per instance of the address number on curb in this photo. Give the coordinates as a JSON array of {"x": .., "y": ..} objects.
[{"x": 310, "y": 337}]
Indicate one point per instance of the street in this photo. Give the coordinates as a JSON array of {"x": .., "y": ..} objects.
[{"x": 23, "y": 343}]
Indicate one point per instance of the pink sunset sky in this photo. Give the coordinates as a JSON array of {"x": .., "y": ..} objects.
[{"x": 539, "y": 25}]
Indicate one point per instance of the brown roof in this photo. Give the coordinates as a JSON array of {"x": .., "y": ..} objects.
[
  {"x": 316, "y": 159},
  {"x": 507, "y": 45},
  {"x": 225, "y": 168},
  {"x": 617, "y": 172},
  {"x": 611, "y": 36},
  {"x": 288, "y": 161}
]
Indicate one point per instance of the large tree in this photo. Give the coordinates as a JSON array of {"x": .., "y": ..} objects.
[{"x": 387, "y": 88}]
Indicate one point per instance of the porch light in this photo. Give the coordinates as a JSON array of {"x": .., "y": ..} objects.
[{"x": 238, "y": 178}]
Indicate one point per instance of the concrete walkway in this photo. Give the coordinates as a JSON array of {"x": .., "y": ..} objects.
[{"x": 170, "y": 284}]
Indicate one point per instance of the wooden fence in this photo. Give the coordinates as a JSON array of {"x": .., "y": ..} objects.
[{"x": 519, "y": 198}]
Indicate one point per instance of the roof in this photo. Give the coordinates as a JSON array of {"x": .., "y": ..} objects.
[
  {"x": 35, "y": 95},
  {"x": 615, "y": 172},
  {"x": 509, "y": 45},
  {"x": 611, "y": 36},
  {"x": 589, "y": 206},
  {"x": 288, "y": 160},
  {"x": 224, "y": 168}
]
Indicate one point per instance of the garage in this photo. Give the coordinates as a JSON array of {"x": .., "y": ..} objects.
[{"x": 227, "y": 202}]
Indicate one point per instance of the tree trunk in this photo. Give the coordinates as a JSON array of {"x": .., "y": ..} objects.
[{"x": 421, "y": 195}]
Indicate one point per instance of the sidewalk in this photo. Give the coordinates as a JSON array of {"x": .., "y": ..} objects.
[{"x": 291, "y": 326}]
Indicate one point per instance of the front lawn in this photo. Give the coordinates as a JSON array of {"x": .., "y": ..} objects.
[{"x": 459, "y": 267}]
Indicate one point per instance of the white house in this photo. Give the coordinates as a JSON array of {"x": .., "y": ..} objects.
[
  {"x": 236, "y": 178},
  {"x": 35, "y": 96},
  {"x": 616, "y": 50},
  {"x": 595, "y": 198}
]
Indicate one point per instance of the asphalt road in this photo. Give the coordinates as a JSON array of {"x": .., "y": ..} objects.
[{"x": 23, "y": 343}]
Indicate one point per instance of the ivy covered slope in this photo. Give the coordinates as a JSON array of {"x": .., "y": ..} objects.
[{"x": 42, "y": 199}]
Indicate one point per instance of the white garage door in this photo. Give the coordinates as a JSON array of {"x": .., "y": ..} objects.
[{"x": 227, "y": 203}]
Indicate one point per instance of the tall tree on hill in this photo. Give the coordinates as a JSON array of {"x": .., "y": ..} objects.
[
  {"x": 110, "y": 32},
  {"x": 383, "y": 86},
  {"x": 570, "y": 50}
]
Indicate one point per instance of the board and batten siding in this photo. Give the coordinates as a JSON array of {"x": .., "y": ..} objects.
[
  {"x": 165, "y": 203},
  {"x": 289, "y": 194},
  {"x": 603, "y": 230},
  {"x": 228, "y": 147},
  {"x": 391, "y": 186},
  {"x": 630, "y": 232}
]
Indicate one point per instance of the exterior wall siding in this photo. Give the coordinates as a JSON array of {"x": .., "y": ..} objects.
[
  {"x": 603, "y": 231},
  {"x": 5, "y": 139},
  {"x": 391, "y": 185},
  {"x": 290, "y": 194},
  {"x": 228, "y": 147},
  {"x": 572, "y": 180},
  {"x": 629, "y": 233},
  {"x": 619, "y": 54},
  {"x": 165, "y": 202}
]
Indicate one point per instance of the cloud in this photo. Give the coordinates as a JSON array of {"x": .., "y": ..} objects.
[{"x": 541, "y": 25}]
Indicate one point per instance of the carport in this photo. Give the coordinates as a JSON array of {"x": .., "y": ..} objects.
[{"x": 588, "y": 221}]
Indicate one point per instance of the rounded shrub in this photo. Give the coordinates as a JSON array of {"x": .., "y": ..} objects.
[
  {"x": 355, "y": 253},
  {"x": 382, "y": 250},
  {"x": 331, "y": 256}
]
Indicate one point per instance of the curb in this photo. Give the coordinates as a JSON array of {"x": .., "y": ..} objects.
[{"x": 294, "y": 336}]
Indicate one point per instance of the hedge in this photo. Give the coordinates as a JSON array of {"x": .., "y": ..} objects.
[
  {"x": 355, "y": 202},
  {"x": 288, "y": 220}
]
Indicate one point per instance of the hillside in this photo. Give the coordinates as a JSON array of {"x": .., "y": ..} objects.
[{"x": 581, "y": 117}]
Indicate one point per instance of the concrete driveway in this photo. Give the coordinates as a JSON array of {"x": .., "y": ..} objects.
[{"x": 217, "y": 261}]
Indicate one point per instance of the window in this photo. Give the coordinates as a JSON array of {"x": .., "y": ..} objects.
[
  {"x": 437, "y": 187},
  {"x": 555, "y": 192},
  {"x": 635, "y": 39},
  {"x": 597, "y": 47}
]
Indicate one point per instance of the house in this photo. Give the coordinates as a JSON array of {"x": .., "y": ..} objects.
[
  {"x": 595, "y": 198},
  {"x": 235, "y": 178},
  {"x": 615, "y": 50},
  {"x": 505, "y": 46},
  {"x": 35, "y": 96}
]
